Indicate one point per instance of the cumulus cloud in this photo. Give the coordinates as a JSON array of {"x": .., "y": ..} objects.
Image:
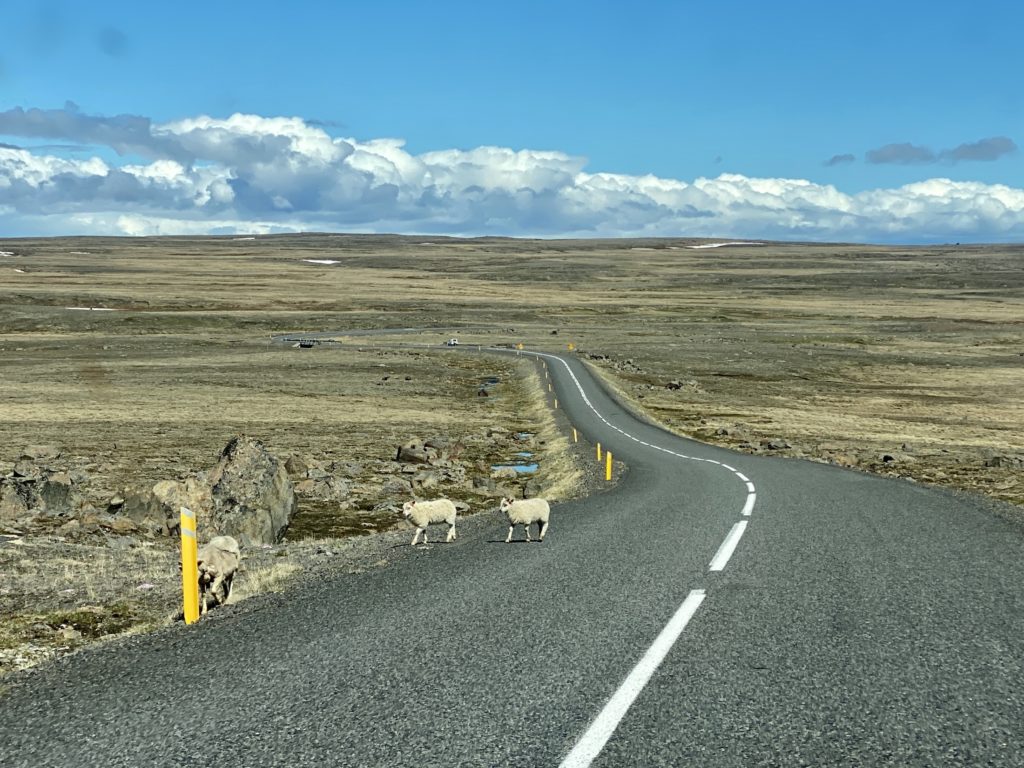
[
  {"x": 839, "y": 160},
  {"x": 254, "y": 174}
]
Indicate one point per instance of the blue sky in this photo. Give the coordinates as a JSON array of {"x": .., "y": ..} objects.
[{"x": 892, "y": 93}]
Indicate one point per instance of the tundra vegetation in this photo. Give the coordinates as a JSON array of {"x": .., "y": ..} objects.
[{"x": 903, "y": 361}]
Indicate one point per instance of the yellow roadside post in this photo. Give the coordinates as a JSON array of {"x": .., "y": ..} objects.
[
  {"x": 575, "y": 435},
  {"x": 571, "y": 346},
  {"x": 598, "y": 451},
  {"x": 556, "y": 403},
  {"x": 189, "y": 566},
  {"x": 608, "y": 465}
]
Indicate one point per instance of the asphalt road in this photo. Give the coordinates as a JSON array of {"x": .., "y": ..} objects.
[{"x": 854, "y": 621}]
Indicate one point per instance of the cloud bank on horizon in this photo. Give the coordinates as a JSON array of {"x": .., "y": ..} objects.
[{"x": 254, "y": 174}]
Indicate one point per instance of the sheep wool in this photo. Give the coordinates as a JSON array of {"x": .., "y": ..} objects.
[
  {"x": 423, "y": 513},
  {"x": 525, "y": 512}
]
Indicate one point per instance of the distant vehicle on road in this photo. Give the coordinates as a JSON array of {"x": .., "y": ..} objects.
[{"x": 452, "y": 342}]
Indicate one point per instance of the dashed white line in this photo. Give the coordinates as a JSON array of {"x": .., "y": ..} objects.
[
  {"x": 749, "y": 506},
  {"x": 592, "y": 742},
  {"x": 728, "y": 546}
]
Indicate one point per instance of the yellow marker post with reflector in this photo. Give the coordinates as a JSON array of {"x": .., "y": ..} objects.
[
  {"x": 575, "y": 435},
  {"x": 189, "y": 566},
  {"x": 608, "y": 465},
  {"x": 598, "y": 451}
]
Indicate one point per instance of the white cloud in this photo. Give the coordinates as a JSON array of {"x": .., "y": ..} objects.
[{"x": 248, "y": 173}]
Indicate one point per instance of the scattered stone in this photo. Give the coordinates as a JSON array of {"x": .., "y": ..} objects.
[
  {"x": 415, "y": 451},
  {"x": 1003, "y": 460},
  {"x": 296, "y": 467},
  {"x": 38, "y": 452}
]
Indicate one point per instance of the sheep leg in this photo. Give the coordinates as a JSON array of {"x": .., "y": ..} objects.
[
  {"x": 509, "y": 537},
  {"x": 416, "y": 536},
  {"x": 543, "y": 529},
  {"x": 215, "y": 589},
  {"x": 227, "y": 587},
  {"x": 526, "y": 527},
  {"x": 451, "y": 533},
  {"x": 425, "y": 536}
]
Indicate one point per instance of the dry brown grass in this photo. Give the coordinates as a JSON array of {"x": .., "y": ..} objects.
[{"x": 846, "y": 351}]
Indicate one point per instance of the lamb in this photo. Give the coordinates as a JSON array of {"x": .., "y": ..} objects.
[
  {"x": 525, "y": 512},
  {"x": 423, "y": 513},
  {"x": 218, "y": 562}
]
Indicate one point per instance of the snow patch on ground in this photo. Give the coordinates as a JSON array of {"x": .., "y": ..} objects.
[
  {"x": 720, "y": 245},
  {"x": 321, "y": 261}
]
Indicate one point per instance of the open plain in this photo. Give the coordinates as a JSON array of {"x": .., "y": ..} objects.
[{"x": 131, "y": 361}]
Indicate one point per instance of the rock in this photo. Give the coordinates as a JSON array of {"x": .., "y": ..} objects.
[
  {"x": 38, "y": 452},
  {"x": 349, "y": 469},
  {"x": 55, "y": 493},
  {"x": 674, "y": 384},
  {"x": 25, "y": 468},
  {"x": 253, "y": 499},
  {"x": 13, "y": 504},
  {"x": 776, "y": 444},
  {"x": 484, "y": 483},
  {"x": 305, "y": 487},
  {"x": 296, "y": 467},
  {"x": 415, "y": 451},
  {"x": 1002, "y": 460},
  {"x": 397, "y": 486},
  {"x": 426, "y": 480},
  {"x": 505, "y": 473},
  {"x": 142, "y": 507},
  {"x": 71, "y": 526},
  {"x": 120, "y": 525},
  {"x": 439, "y": 442}
]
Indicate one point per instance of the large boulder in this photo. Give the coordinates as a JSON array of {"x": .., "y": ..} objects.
[{"x": 252, "y": 498}]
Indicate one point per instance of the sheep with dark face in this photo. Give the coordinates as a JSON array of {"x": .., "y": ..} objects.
[
  {"x": 526, "y": 512},
  {"x": 218, "y": 561},
  {"x": 423, "y": 513}
]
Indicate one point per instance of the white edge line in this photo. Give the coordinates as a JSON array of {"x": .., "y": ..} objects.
[
  {"x": 596, "y": 736},
  {"x": 728, "y": 546}
]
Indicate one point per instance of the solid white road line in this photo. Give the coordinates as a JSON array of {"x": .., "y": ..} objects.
[
  {"x": 592, "y": 742},
  {"x": 728, "y": 546}
]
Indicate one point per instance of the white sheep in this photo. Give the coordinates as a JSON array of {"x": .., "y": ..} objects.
[
  {"x": 423, "y": 513},
  {"x": 525, "y": 512},
  {"x": 218, "y": 562}
]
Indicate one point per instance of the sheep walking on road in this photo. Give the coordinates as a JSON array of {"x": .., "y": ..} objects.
[
  {"x": 218, "y": 562},
  {"x": 526, "y": 512},
  {"x": 423, "y": 513}
]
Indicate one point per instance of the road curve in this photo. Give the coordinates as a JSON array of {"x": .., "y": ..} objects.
[{"x": 713, "y": 609}]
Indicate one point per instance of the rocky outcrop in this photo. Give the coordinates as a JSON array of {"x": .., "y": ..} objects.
[{"x": 252, "y": 498}]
